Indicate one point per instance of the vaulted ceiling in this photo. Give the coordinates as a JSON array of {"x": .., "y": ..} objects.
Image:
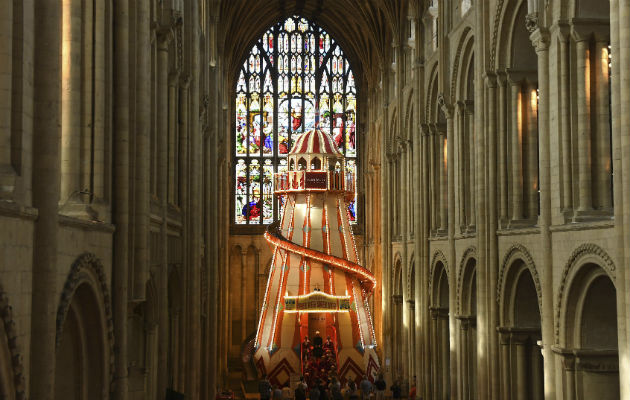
[{"x": 364, "y": 28}]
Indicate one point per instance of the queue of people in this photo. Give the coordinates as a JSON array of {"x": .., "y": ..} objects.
[
  {"x": 331, "y": 389},
  {"x": 319, "y": 361}
]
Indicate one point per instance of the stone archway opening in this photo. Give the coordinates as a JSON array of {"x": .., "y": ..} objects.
[
  {"x": 440, "y": 335},
  {"x": 468, "y": 331},
  {"x": 80, "y": 371},
  {"x": 591, "y": 356},
  {"x": 520, "y": 334}
]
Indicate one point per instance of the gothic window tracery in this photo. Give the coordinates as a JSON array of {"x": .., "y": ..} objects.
[{"x": 293, "y": 73}]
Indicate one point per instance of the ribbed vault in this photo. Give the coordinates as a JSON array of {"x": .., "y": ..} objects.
[{"x": 362, "y": 27}]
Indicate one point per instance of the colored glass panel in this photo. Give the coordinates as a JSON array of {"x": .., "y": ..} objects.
[{"x": 275, "y": 104}]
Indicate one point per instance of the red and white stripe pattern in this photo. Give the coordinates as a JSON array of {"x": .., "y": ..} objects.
[{"x": 315, "y": 141}]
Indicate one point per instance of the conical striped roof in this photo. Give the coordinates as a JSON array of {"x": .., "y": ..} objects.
[{"x": 316, "y": 141}]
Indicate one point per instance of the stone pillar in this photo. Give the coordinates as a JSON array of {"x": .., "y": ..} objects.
[
  {"x": 7, "y": 174},
  {"x": 173, "y": 82},
  {"x": 443, "y": 171},
  {"x": 492, "y": 260},
  {"x": 445, "y": 355},
  {"x": 516, "y": 152},
  {"x": 603, "y": 161},
  {"x": 99, "y": 117},
  {"x": 433, "y": 187},
  {"x": 470, "y": 140},
  {"x": 462, "y": 175},
  {"x": 521, "y": 368},
  {"x": 164, "y": 38},
  {"x": 532, "y": 151},
  {"x": 86, "y": 66},
  {"x": 143, "y": 152},
  {"x": 435, "y": 353},
  {"x": 536, "y": 373},
  {"x": 504, "y": 341},
  {"x": 465, "y": 358},
  {"x": 565, "y": 126},
  {"x": 71, "y": 103},
  {"x": 502, "y": 133},
  {"x": 46, "y": 183},
  {"x": 583, "y": 72},
  {"x": 540, "y": 40},
  {"x": 411, "y": 340},
  {"x": 120, "y": 179}
]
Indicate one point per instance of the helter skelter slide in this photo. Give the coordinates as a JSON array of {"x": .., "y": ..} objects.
[{"x": 315, "y": 282}]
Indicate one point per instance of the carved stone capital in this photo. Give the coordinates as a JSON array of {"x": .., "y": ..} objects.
[
  {"x": 447, "y": 108},
  {"x": 531, "y": 22}
]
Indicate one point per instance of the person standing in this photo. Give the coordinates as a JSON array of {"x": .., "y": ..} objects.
[
  {"x": 300, "y": 390},
  {"x": 277, "y": 393},
  {"x": 381, "y": 385},
  {"x": 396, "y": 389},
  {"x": 264, "y": 388},
  {"x": 366, "y": 388},
  {"x": 412, "y": 391},
  {"x": 314, "y": 393}
]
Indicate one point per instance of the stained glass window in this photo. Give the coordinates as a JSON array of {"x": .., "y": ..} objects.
[{"x": 294, "y": 68}]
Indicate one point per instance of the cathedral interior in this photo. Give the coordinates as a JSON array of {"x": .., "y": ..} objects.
[{"x": 159, "y": 235}]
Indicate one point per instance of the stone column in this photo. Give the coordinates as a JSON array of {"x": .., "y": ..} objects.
[
  {"x": 435, "y": 352},
  {"x": 433, "y": 188},
  {"x": 120, "y": 179},
  {"x": 46, "y": 183},
  {"x": 504, "y": 341},
  {"x": 502, "y": 133},
  {"x": 71, "y": 103},
  {"x": 443, "y": 172},
  {"x": 532, "y": 151},
  {"x": 411, "y": 340},
  {"x": 99, "y": 117},
  {"x": 516, "y": 161},
  {"x": 164, "y": 38},
  {"x": 492, "y": 260},
  {"x": 445, "y": 355},
  {"x": 540, "y": 40},
  {"x": 583, "y": 72},
  {"x": 143, "y": 152},
  {"x": 470, "y": 140},
  {"x": 565, "y": 132},
  {"x": 173, "y": 82},
  {"x": 465, "y": 358},
  {"x": 620, "y": 49},
  {"x": 86, "y": 93},
  {"x": 462, "y": 179},
  {"x": 7, "y": 174},
  {"x": 603, "y": 161},
  {"x": 537, "y": 383},
  {"x": 522, "y": 385}
]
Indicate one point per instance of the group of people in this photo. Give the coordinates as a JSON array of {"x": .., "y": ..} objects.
[
  {"x": 331, "y": 389},
  {"x": 319, "y": 360}
]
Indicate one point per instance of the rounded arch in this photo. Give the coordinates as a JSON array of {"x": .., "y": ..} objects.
[
  {"x": 84, "y": 315},
  {"x": 510, "y": 25},
  {"x": 465, "y": 278},
  {"x": 411, "y": 281},
  {"x": 587, "y": 263},
  {"x": 515, "y": 254},
  {"x": 409, "y": 108},
  {"x": 462, "y": 59},
  {"x": 397, "y": 275},
  {"x": 438, "y": 281},
  {"x": 431, "y": 105},
  {"x": 393, "y": 125},
  {"x": 12, "y": 384}
]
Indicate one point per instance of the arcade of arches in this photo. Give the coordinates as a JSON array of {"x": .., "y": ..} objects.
[{"x": 491, "y": 141}]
